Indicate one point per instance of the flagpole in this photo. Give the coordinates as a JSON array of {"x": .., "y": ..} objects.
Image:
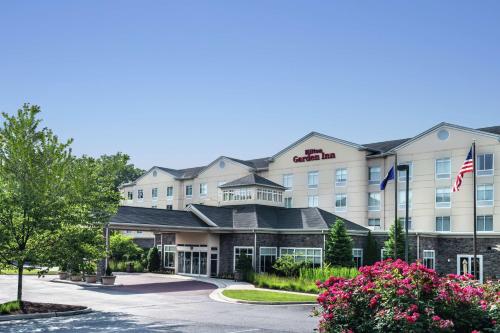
[
  {"x": 474, "y": 239},
  {"x": 395, "y": 205}
]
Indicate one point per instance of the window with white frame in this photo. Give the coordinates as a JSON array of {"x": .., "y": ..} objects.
[
  {"x": 300, "y": 254},
  {"x": 312, "y": 201},
  {"x": 169, "y": 256},
  {"x": 484, "y": 223},
  {"x": 373, "y": 175},
  {"x": 443, "y": 168},
  {"x": 170, "y": 192},
  {"x": 402, "y": 223},
  {"x": 130, "y": 195},
  {"x": 375, "y": 223},
  {"x": 374, "y": 201},
  {"x": 241, "y": 250},
  {"x": 340, "y": 177},
  {"x": 154, "y": 193},
  {"x": 443, "y": 223},
  {"x": 402, "y": 199},
  {"x": 203, "y": 189},
  {"x": 268, "y": 257},
  {"x": 169, "y": 207},
  {"x": 340, "y": 202},
  {"x": 154, "y": 206},
  {"x": 429, "y": 259},
  {"x": 288, "y": 182},
  {"x": 288, "y": 202},
  {"x": 484, "y": 165},
  {"x": 267, "y": 195},
  {"x": 312, "y": 179},
  {"x": 485, "y": 195},
  {"x": 383, "y": 254},
  {"x": 357, "y": 257},
  {"x": 443, "y": 197},
  {"x": 189, "y": 190},
  {"x": 402, "y": 174},
  {"x": 140, "y": 195}
]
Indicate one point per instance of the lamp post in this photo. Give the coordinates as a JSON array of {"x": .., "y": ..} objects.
[{"x": 406, "y": 168}]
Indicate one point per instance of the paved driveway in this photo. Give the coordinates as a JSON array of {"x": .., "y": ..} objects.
[{"x": 151, "y": 303}]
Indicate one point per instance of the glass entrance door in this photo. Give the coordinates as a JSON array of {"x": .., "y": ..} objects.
[
  {"x": 465, "y": 265},
  {"x": 192, "y": 262}
]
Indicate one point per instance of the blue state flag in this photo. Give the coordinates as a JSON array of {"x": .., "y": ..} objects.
[{"x": 390, "y": 175}]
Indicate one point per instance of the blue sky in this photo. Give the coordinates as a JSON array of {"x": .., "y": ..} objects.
[{"x": 180, "y": 83}]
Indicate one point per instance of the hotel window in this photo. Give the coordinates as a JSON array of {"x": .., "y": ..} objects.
[
  {"x": 340, "y": 202},
  {"x": 312, "y": 179},
  {"x": 169, "y": 256},
  {"x": 312, "y": 201},
  {"x": 443, "y": 223},
  {"x": 484, "y": 165},
  {"x": 154, "y": 193},
  {"x": 484, "y": 223},
  {"x": 203, "y": 189},
  {"x": 268, "y": 257},
  {"x": 130, "y": 195},
  {"x": 169, "y": 207},
  {"x": 375, "y": 223},
  {"x": 170, "y": 192},
  {"x": 311, "y": 255},
  {"x": 357, "y": 257},
  {"x": 340, "y": 177},
  {"x": 443, "y": 168},
  {"x": 288, "y": 202},
  {"x": 374, "y": 201},
  {"x": 402, "y": 223},
  {"x": 189, "y": 190},
  {"x": 429, "y": 259},
  {"x": 242, "y": 250},
  {"x": 374, "y": 175},
  {"x": 402, "y": 174},
  {"x": 443, "y": 197},
  {"x": 140, "y": 195},
  {"x": 288, "y": 182},
  {"x": 485, "y": 195},
  {"x": 154, "y": 206},
  {"x": 402, "y": 199}
]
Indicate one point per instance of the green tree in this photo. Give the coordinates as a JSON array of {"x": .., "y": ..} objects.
[
  {"x": 154, "y": 260},
  {"x": 123, "y": 247},
  {"x": 122, "y": 170},
  {"x": 389, "y": 243},
  {"x": 34, "y": 173},
  {"x": 339, "y": 246},
  {"x": 371, "y": 251}
]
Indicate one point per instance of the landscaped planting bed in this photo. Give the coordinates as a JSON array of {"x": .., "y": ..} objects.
[
  {"x": 24, "y": 307},
  {"x": 267, "y": 296}
]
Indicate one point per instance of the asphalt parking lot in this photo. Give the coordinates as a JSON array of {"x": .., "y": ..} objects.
[{"x": 151, "y": 303}]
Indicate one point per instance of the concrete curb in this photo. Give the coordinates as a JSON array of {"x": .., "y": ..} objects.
[
  {"x": 85, "y": 284},
  {"x": 44, "y": 315},
  {"x": 217, "y": 295}
]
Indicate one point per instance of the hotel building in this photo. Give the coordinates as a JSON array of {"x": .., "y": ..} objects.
[{"x": 204, "y": 217}]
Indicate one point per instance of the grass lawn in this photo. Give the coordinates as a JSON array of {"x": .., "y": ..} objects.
[
  {"x": 267, "y": 296},
  {"x": 9, "y": 307},
  {"x": 13, "y": 271}
]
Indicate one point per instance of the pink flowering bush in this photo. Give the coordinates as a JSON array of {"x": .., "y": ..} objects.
[{"x": 393, "y": 296}]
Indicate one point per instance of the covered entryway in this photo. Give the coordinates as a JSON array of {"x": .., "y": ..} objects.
[{"x": 192, "y": 260}]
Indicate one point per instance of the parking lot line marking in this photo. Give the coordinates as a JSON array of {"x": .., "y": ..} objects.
[{"x": 250, "y": 330}]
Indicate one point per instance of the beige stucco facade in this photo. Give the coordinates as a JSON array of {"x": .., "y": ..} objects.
[{"x": 422, "y": 152}]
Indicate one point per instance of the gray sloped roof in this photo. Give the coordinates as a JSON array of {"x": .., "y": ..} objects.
[
  {"x": 385, "y": 146},
  {"x": 158, "y": 217},
  {"x": 491, "y": 129},
  {"x": 270, "y": 217},
  {"x": 252, "y": 179}
]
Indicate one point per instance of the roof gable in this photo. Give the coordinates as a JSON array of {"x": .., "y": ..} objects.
[{"x": 252, "y": 180}]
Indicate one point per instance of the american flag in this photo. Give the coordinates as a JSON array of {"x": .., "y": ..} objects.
[{"x": 468, "y": 166}]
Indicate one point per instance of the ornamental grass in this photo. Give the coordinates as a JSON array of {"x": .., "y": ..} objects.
[{"x": 393, "y": 296}]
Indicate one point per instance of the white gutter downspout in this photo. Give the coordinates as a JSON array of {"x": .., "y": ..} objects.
[
  {"x": 418, "y": 246},
  {"x": 255, "y": 249}
]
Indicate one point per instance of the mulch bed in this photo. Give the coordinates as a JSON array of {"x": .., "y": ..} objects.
[{"x": 30, "y": 307}]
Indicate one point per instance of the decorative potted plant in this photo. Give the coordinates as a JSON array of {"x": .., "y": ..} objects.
[
  {"x": 108, "y": 279},
  {"x": 90, "y": 275},
  {"x": 63, "y": 272},
  {"x": 76, "y": 275}
]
